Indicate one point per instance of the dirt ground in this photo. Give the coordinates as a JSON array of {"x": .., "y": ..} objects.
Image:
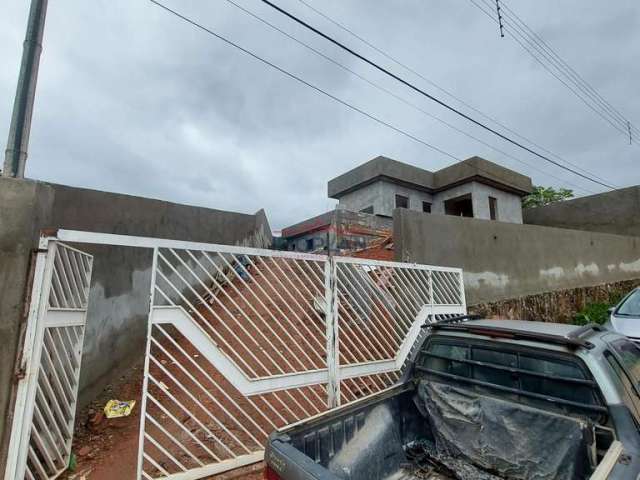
[{"x": 106, "y": 449}]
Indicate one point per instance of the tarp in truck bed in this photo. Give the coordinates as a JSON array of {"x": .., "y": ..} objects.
[{"x": 506, "y": 439}]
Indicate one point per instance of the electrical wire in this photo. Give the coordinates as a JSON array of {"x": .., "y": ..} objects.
[
  {"x": 400, "y": 98},
  {"x": 393, "y": 59},
  {"x": 429, "y": 96},
  {"x": 517, "y": 36},
  {"x": 547, "y": 60},
  {"x": 304, "y": 82},
  {"x": 571, "y": 71},
  {"x": 554, "y": 67}
]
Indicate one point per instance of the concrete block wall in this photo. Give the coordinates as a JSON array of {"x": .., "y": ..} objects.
[
  {"x": 617, "y": 211},
  {"x": 118, "y": 303},
  {"x": 506, "y": 260},
  {"x": 381, "y": 196},
  {"x": 509, "y": 204}
]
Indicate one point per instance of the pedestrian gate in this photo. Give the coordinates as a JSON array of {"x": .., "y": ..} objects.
[{"x": 42, "y": 427}]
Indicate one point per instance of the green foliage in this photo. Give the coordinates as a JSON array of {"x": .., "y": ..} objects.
[
  {"x": 545, "y": 195},
  {"x": 592, "y": 313},
  {"x": 597, "y": 312}
]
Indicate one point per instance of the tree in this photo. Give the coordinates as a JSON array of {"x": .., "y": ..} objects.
[{"x": 545, "y": 195}]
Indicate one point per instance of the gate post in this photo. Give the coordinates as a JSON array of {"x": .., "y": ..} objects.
[
  {"x": 145, "y": 379},
  {"x": 332, "y": 324}
]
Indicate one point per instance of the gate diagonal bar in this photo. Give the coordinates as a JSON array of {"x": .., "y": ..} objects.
[
  {"x": 42, "y": 429},
  {"x": 244, "y": 341}
]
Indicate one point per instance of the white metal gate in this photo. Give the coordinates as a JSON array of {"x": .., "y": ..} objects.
[
  {"x": 243, "y": 341},
  {"x": 42, "y": 427},
  {"x": 240, "y": 342}
]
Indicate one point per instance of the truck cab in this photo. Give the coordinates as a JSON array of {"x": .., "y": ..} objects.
[{"x": 484, "y": 399}]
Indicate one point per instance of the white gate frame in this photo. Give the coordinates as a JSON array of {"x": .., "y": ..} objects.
[
  {"x": 42, "y": 315},
  {"x": 333, "y": 374}
]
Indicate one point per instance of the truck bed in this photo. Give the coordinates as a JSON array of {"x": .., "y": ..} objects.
[{"x": 381, "y": 438}]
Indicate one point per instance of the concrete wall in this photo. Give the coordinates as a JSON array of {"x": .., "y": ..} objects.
[
  {"x": 509, "y": 204},
  {"x": 338, "y": 230},
  {"x": 355, "y": 230},
  {"x": 367, "y": 196},
  {"x": 118, "y": 303},
  {"x": 381, "y": 196},
  {"x": 319, "y": 240},
  {"x": 506, "y": 260},
  {"x": 617, "y": 211},
  {"x": 18, "y": 214}
]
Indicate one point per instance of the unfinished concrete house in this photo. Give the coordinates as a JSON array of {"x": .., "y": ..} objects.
[
  {"x": 474, "y": 188},
  {"x": 368, "y": 194}
]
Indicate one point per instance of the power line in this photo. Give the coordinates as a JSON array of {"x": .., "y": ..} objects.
[
  {"x": 427, "y": 95},
  {"x": 519, "y": 38},
  {"x": 398, "y": 97},
  {"x": 393, "y": 59},
  {"x": 534, "y": 50},
  {"x": 570, "y": 69},
  {"x": 304, "y": 82},
  {"x": 301, "y": 80},
  {"x": 499, "y": 18},
  {"x": 549, "y": 60},
  {"x": 599, "y": 105}
]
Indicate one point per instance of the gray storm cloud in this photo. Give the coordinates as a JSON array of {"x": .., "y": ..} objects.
[{"x": 130, "y": 99}]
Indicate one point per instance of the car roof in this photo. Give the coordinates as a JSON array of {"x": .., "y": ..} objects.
[
  {"x": 556, "y": 336},
  {"x": 549, "y": 328}
]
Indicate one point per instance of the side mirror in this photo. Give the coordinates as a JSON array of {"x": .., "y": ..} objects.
[{"x": 610, "y": 310}]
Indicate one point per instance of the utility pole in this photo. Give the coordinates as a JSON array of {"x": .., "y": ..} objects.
[
  {"x": 18, "y": 142},
  {"x": 500, "y": 18}
]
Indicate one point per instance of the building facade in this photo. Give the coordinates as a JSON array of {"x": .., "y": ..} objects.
[
  {"x": 472, "y": 188},
  {"x": 368, "y": 195},
  {"x": 337, "y": 231}
]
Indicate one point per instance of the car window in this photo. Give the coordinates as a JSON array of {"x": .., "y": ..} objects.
[
  {"x": 450, "y": 352},
  {"x": 629, "y": 397},
  {"x": 555, "y": 388},
  {"x": 629, "y": 355},
  {"x": 555, "y": 367},
  {"x": 492, "y": 375},
  {"x": 538, "y": 373},
  {"x": 631, "y": 305}
]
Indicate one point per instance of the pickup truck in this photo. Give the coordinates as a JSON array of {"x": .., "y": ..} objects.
[{"x": 483, "y": 400}]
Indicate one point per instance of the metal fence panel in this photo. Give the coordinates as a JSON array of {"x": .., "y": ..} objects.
[
  {"x": 240, "y": 342},
  {"x": 42, "y": 429},
  {"x": 245, "y": 341}
]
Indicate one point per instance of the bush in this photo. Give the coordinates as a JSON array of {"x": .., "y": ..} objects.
[
  {"x": 592, "y": 313},
  {"x": 597, "y": 312}
]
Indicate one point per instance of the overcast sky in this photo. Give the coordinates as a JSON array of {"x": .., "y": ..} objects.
[{"x": 131, "y": 99}]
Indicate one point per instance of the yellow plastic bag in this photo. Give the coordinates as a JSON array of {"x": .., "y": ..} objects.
[{"x": 118, "y": 408}]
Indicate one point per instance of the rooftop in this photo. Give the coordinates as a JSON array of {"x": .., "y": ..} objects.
[
  {"x": 522, "y": 330},
  {"x": 472, "y": 169}
]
